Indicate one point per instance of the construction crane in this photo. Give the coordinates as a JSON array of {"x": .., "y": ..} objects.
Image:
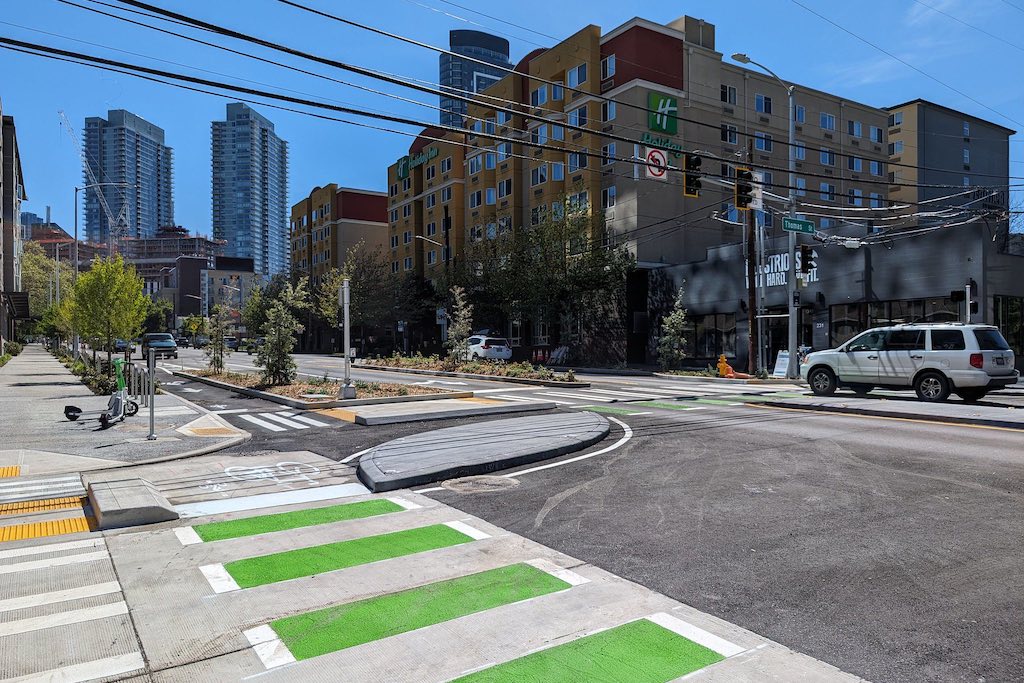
[{"x": 116, "y": 226}]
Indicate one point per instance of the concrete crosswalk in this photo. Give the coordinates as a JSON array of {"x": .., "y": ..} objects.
[
  {"x": 38, "y": 488},
  {"x": 280, "y": 421}
]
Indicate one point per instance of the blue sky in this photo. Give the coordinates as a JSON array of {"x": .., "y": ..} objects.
[{"x": 795, "y": 43}]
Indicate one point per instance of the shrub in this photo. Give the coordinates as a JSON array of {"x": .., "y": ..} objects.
[
  {"x": 12, "y": 348},
  {"x": 4, "y": 358}
]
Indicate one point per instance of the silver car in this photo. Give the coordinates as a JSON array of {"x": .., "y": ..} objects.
[{"x": 933, "y": 359}]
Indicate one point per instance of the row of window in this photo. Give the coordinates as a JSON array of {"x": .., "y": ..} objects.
[
  {"x": 430, "y": 201},
  {"x": 763, "y": 105}
]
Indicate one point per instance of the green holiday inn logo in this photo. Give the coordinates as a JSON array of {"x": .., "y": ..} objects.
[{"x": 662, "y": 110}]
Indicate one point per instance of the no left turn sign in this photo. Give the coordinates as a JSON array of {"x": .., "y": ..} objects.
[{"x": 657, "y": 163}]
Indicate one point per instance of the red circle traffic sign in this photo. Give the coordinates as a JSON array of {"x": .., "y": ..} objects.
[{"x": 658, "y": 163}]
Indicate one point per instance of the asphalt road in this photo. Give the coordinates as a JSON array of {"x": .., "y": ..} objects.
[{"x": 888, "y": 549}]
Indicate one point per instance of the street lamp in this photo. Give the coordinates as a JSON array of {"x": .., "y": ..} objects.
[{"x": 791, "y": 371}]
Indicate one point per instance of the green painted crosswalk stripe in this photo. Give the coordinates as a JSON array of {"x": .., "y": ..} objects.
[
  {"x": 665, "y": 405},
  {"x": 609, "y": 409},
  {"x": 639, "y": 652},
  {"x": 343, "y": 626},
  {"x": 250, "y": 526},
  {"x": 293, "y": 564}
]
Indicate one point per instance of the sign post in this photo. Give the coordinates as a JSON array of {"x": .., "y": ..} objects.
[
  {"x": 347, "y": 390},
  {"x": 151, "y": 390},
  {"x": 797, "y": 225}
]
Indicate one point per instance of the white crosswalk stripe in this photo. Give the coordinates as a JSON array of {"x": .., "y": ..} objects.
[
  {"x": 262, "y": 423},
  {"x": 49, "y": 487},
  {"x": 282, "y": 421},
  {"x": 310, "y": 421},
  {"x": 622, "y": 394},
  {"x": 578, "y": 397}
]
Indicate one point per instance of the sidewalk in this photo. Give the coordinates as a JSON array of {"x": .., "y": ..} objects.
[{"x": 35, "y": 436}]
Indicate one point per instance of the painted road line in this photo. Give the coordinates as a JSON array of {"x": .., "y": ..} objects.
[
  {"x": 220, "y": 580},
  {"x": 578, "y": 397},
  {"x": 262, "y": 423},
  {"x": 44, "y": 492},
  {"x": 269, "y": 500},
  {"x": 10, "y": 471},
  {"x": 632, "y": 414},
  {"x": 567, "y": 575},
  {"x": 319, "y": 559},
  {"x": 44, "y": 505},
  {"x": 76, "y": 616},
  {"x": 668, "y": 406},
  {"x": 311, "y": 421},
  {"x": 502, "y": 391},
  {"x": 173, "y": 410},
  {"x": 625, "y": 394},
  {"x": 718, "y": 402},
  {"x": 518, "y": 398},
  {"x": 87, "y": 671},
  {"x": 60, "y": 596},
  {"x": 607, "y": 409},
  {"x": 297, "y": 519},
  {"x": 355, "y": 455},
  {"x": 268, "y": 647},
  {"x": 626, "y": 436},
  {"x": 407, "y": 504},
  {"x": 552, "y": 400},
  {"x": 53, "y": 548},
  {"x": 284, "y": 420},
  {"x": 640, "y": 651},
  {"x": 464, "y": 528},
  {"x": 232, "y": 411},
  {"x": 34, "y": 565},
  {"x": 22, "y": 484},
  {"x": 696, "y": 634},
  {"x": 347, "y": 625},
  {"x": 54, "y": 527},
  {"x": 187, "y": 535}
]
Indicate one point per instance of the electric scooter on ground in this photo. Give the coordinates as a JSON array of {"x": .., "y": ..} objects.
[{"x": 117, "y": 408}]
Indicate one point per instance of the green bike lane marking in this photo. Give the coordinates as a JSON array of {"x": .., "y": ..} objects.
[
  {"x": 339, "y": 627},
  {"x": 640, "y": 651},
  {"x": 319, "y": 559},
  {"x": 263, "y": 524}
]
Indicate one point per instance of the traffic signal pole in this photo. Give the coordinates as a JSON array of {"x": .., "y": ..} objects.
[
  {"x": 752, "y": 320},
  {"x": 793, "y": 371}
]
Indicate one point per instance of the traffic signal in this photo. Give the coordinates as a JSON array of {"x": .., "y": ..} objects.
[
  {"x": 744, "y": 189},
  {"x": 807, "y": 263},
  {"x": 691, "y": 176}
]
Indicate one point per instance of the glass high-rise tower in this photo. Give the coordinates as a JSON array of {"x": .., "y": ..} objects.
[
  {"x": 458, "y": 74},
  {"x": 250, "y": 187},
  {"x": 124, "y": 148}
]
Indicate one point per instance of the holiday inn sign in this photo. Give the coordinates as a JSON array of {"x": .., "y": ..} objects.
[{"x": 407, "y": 163}]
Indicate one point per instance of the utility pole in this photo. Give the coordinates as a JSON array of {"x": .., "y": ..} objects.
[{"x": 752, "y": 320}]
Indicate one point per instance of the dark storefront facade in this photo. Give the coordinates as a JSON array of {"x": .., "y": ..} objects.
[{"x": 850, "y": 290}]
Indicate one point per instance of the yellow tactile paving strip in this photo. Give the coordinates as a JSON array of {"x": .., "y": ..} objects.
[
  {"x": 56, "y": 527},
  {"x": 212, "y": 431},
  {"x": 45, "y": 505},
  {"x": 10, "y": 471},
  {"x": 339, "y": 414}
]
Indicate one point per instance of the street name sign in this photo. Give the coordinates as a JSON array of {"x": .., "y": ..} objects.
[{"x": 797, "y": 225}]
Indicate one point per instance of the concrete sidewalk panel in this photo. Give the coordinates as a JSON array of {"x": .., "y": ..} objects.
[
  {"x": 477, "y": 448},
  {"x": 129, "y": 502}
]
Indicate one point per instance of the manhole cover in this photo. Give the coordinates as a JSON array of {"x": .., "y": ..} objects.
[{"x": 480, "y": 484}]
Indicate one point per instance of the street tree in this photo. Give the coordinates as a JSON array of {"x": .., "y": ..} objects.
[
  {"x": 158, "y": 315},
  {"x": 195, "y": 324},
  {"x": 108, "y": 303},
  {"x": 280, "y": 326},
  {"x": 217, "y": 350},
  {"x": 672, "y": 341},
  {"x": 258, "y": 302},
  {"x": 460, "y": 327},
  {"x": 37, "y": 278}
]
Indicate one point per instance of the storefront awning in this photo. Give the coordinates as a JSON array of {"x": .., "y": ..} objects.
[{"x": 17, "y": 304}]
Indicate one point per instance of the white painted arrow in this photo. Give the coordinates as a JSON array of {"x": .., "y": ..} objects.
[{"x": 192, "y": 391}]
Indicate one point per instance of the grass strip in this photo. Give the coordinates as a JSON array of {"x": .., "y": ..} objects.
[
  {"x": 263, "y": 524},
  {"x": 343, "y": 626},
  {"x": 292, "y": 564},
  {"x": 639, "y": 652}
]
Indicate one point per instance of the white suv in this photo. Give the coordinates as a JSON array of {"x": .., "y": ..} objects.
[
  {"x": 490, "y": 348},
  {"x": 934, "y": 359}
]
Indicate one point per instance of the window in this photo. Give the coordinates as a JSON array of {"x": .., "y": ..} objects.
[
  {"x": 504, "y": 117},
  {"x": 828, "y": 157},
  {"x": 967, "y": 181},
  {"x": 431, "y": 199},
  {"x": 608, "y": 111},
  {"x": 446, "y": 194},
  {"x": 406, "y": 210},
  {"x": 578, "y": 117},
  {"x": 799, "y": 113},
  {"x": 728, "y": 94},
  {"x": 876, "y": 168},
  {"x": 535, "y": 214},
  {"x": 394, "y": 241},
  {"x": 431, "y": 172},
  {"x": 490, "y": 161},
  {"x": 828, "y": 191},
  {"x": 557, "y": 91},
  {"x": 539, "y": 175},
  {"x": 394, "y": 215},
  {"x": 767, "y": 179},
  {"x": 577, "y": 160},
  {"x": 577, "y": 76},
  {"x": 408, "y": 262},
  {"x": 608, "y": 154},
  {"x": 876, "y": 200},
  {"x": 475, "y": 199},
  {"x": 431, "y": 229},
  {"x": 967, "y": 156},
  {"x": 557, "y": 132},
  {"x": 896, "y": 119},
  {"x": 826, "y": 223},
  {"x": 947, "y": 340},
  {"x": 991, "y": 340},
  {"x": 557, "y": 171},
  {"x": 578, "y": 201},
  {"x": 763, "y": 141},
  {"x": 406, "y": 184},
  {"x": 896, "y": 147},
  {"x": 828, "y": 121},
  {"x": 730, "y": 134},
  {"x": 539, "y": 96},
  {"x": 504, "y": 151},
  {"x": 489, "y": 127},
  {"x": 475, "y": 164},
  {"x": 763, "y": 103},
  {"x": 854, "y": 197},
  {"x": 799, "y": 151},
  {"x": 967, "y": 129},
  {"x": 505, "y": 188},
  {"x": 557, "y": 211},
  {"x": 489, "y": 196},
  {"x": 855, "y": 164},
  {"x": 876, "y": 134},
  {"x": 855, "y": 129},
  {"x": 431, "y": 257},
  {"x": 539, "y": 135},
  {"x": 801, "y": 187},
  {"x": 394, "y": 266},
  {"x": 393, "y": 190},
  {"x": 608, "y": 197},
  {"x": 407, "y": 237},
  {"x": 894, "y": 177},
  {"x": 446, "y": 164},
  {"x": 607, "y": 67}
]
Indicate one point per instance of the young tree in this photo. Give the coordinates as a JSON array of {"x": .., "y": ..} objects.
[
  {"x": 258, "y": 302},
  {"x": 195, "y": 324},
  {"x": 217, "y": 350},
  {"x": 107, "y": 303},
  {"x": 672, "y": 343},
  {"x": 279, "y": 329},
  {"x": 460, "y": 327},
  {"x": 158, "y": 315}
]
